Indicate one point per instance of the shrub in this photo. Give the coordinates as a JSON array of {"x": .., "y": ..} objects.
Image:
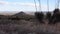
[
  {"x": 39, "y": 16},
  {"x": 56, "y": 17}
]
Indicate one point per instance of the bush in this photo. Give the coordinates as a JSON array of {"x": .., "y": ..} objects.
[
  {"x": 39, "y": 16},
  {"x": 55, "y": 17},
  {"x": 48, "y": 15}
]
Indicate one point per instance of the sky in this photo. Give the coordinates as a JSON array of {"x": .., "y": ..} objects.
[{"x": 25, "y": 5}]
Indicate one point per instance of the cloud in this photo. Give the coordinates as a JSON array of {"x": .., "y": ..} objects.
[
  {"x": 25, "y": 6},
  {"x": 3, "y": 3},
  {"x": 16, "y": 3},
  {"x": 10, "y": 5}
]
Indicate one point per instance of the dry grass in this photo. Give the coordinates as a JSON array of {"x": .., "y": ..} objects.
[{"x": 31, "y": 26}]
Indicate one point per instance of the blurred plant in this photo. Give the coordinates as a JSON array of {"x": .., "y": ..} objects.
[{"x": 39, "y": 16}]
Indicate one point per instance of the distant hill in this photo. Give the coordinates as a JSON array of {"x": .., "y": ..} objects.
[
  {"x": 19, "y": 14},
  {"x": 23, "y": 15},
  {"x": 30, "y": 13}
]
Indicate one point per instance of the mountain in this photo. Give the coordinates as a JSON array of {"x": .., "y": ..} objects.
[
  {"x": 19, "y": 14},
  {"x": 23, "y": 15}
]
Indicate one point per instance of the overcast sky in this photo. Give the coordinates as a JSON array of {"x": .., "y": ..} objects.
[{"x": 25, "y": 5}]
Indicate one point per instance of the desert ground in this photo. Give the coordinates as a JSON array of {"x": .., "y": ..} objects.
[{"x": 26, "y": 24}]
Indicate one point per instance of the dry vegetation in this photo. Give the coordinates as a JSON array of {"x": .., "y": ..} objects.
[{"x": 26, "y": 24}]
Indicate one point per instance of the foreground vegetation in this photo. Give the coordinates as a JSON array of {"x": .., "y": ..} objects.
[{"x": 26, "y": 24}]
